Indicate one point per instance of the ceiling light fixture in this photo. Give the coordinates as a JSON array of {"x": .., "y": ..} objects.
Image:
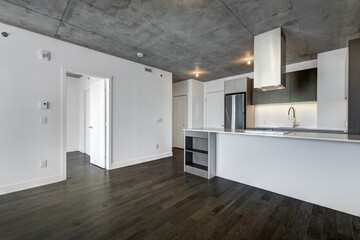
[
  {"x": 249, "y": 61},
  {"x": 197, "y": 74},
  {"x": 140, "y": 54}
]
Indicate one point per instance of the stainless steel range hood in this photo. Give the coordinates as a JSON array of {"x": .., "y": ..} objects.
[{"x": 269, "y": 60}]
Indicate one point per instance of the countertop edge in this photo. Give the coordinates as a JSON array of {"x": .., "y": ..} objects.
[{"x": 281, "y": 136}]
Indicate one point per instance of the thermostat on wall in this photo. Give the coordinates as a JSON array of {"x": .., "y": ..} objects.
[{"x": 44, "y": 105}]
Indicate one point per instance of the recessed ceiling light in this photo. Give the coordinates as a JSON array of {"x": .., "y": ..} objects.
[
  {"x": 140, "y": 54},
  {"x": 197, "y": 72}
]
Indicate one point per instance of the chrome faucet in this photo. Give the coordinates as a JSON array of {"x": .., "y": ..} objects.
[{"x": 293, "y": 117}]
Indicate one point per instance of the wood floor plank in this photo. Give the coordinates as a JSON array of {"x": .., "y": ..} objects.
[
  {"x": 157, "y": 200},
  {"x": 344, "y": 226},
  {"x": 330, "y": 225}
]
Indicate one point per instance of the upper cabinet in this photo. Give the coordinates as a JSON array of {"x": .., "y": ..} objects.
[
  {"x": 281, "y": 95},
  {"x": 260, "y": 97},
  {"x": 301, "y": 86},
  {"x": 332, "y": 85},
  {"x": 229, "y": 86},
  {"x": 304, "y": 85},
  {"x": 236, "y": 86}
]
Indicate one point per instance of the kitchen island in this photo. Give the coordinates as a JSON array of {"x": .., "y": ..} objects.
[{"x": 321, "y": 168}]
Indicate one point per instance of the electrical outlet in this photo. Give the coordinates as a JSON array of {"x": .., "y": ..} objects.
[
  {"x": 157, "y": 146},
  {"x": 265, "y": 122},
  {"x": 43, "y": 164}
]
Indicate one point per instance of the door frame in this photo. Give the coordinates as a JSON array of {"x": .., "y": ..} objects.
[
  {"x": 186, "y": 116},
  {"x": 87, "y": 91},
  {"x": 108, "y": 114}
]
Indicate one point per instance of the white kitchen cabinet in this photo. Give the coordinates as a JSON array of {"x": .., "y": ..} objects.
[
  {"x": 241, "y": 85},
  {"x": 236, "y": 86},
  {"x": 332, "y": 90},
  {"x": 214, "y": 110},
  {"x": 229, "y": 86}
]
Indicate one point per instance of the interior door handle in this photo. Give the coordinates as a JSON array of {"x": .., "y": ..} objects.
[{"x": 90, "y": 127}]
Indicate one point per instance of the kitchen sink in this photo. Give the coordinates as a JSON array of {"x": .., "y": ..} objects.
[{"x": 269, "y": 132}]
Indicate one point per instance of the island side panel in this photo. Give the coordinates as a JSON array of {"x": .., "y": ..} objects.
[{"x": 321, "y": 172}]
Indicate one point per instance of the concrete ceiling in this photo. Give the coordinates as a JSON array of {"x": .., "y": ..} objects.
[{"x": 215, "y": 36}]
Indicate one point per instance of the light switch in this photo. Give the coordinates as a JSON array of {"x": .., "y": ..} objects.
[
  {"x": 159, "y": 120},
  {"x": 43, "y": 119}
]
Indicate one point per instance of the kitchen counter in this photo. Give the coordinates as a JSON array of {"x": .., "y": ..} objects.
[
  {"x": 321, "y": 168},
  {"x": 297, "y": 129},
  {"x": 338, "y": 137}
]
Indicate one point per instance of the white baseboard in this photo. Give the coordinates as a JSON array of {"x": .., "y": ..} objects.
[
  {"x": 29, "y": 184},
  {"x": 140, "y": 160}
]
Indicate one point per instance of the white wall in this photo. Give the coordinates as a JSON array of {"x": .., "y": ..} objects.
[
  {"x": 72, "y": 115},
  {"x": 332, "y": 89},
  {"x": 139, "y": 98}
]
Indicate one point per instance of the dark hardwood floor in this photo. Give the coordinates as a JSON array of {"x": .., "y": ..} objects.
[{"x": 156, "y": 200}]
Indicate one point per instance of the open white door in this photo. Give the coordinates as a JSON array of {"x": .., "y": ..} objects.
[
  {"x": 97, "y": 123},
  {"x": 179, "y": 120}
]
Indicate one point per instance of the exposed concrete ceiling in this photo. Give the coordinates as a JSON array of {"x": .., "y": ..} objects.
[{"x": 215, "y": 36}]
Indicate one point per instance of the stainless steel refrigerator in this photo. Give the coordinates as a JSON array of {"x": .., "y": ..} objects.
[{"x": 235, "y": 111}]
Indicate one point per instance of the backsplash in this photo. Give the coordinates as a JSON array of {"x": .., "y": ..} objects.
[{"x": 276, "y": 115}]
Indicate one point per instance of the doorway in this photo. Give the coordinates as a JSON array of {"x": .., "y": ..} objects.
[
  {"x": 179, "y": 120},
  {"x": 86, "y": 116}
]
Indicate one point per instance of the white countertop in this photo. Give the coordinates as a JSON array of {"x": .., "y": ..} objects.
[{"x": 298, "y": 135}]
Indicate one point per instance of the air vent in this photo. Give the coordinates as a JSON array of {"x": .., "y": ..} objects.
[{"x": 147, "y": 69}]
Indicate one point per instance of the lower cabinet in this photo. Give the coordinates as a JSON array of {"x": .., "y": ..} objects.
[{"x": 199, "y": 153}]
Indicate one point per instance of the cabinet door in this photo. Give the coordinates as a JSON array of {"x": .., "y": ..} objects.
[
  {"x": 229, "y": 86},
  {"x": 259, "y": 97},
  {"x": 304, "y": 85},
  {"x": 214, "y": 110},
  {"x": 240, "y": 85},
  {"x": 282, "y": 95}
]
